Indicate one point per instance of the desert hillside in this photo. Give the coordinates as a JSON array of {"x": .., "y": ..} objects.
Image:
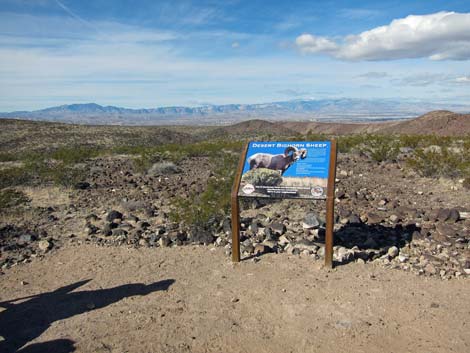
[{"x": 440, "y": 122}]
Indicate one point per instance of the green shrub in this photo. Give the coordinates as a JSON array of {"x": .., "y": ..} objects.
[
  {"x": 13, "y": 177},
  {"x": 382, "y": 148},
  {"x": 74, "y": 155},
  {"x": 348, "y": 143},
  {"x": 434, "y": 163},
  {"x": 263, "y": 176},
  {"x": 11, "y": 198},
  {"x": 207, "y": 208}
]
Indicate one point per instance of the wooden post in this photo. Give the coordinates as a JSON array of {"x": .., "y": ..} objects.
[
  {"x": 236, "y": 208},
  {"x": 330, "y": 206}
]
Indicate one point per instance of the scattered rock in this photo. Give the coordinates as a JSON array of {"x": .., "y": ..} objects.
[
  {"x": 113, "y": 215},
  {"x": 310, "y": 221},
  {"x": 44, "y": 245},
  {"x": 393, "y": 251}
]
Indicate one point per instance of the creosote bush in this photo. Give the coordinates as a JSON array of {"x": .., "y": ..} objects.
[
  {"x": 57, "y": 166},
  {"x": 263, "y": 176},
  {"x": 206, "y": 209},
  {"x": 11, "y": 198}
]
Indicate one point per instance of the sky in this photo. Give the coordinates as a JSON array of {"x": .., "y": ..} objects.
[{"x": 152, "y": 53}]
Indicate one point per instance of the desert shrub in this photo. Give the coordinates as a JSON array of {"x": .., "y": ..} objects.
[
  {"x": 162, "y": 168},
  {"x": 348, "y": 143},
  {"x": 411, "y": 141},
  {"x": 8, "y": 157},
  {"x": 263, "y": 176},
  {"x": 59, "y": 167},
  {"x": 11, "y": 198},
  {"x": 382, "y": 148},
  {"x": 14, "y": 176},
  {"x": 74, "y": 155},
  {"x": 149, "y": 155},
  {"x": 205, "y": 209},
  {"x": 434, "y": 163},
  {"x": 313, "y": 136}
]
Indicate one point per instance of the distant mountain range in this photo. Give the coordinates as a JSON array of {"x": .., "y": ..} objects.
[{"x": 352, "y": 110}]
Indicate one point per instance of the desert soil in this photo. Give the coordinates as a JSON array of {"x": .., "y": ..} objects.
[{"x": 193, "y": 299}]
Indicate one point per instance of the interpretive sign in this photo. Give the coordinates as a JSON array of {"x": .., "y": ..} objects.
[
  {"x": 289, "y": 169},
  {"x": 293, "y": 169}
]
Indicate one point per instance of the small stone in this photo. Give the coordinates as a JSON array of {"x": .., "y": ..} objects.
[
  {"x": 373, "y": 218},
  {"x": 44, "y": 245},
  {"x": 344, "y": 255},
  {"x": 382, "y": 202},
  {"x": 394, "y": 218},
  {"x": 278, "y": 228},
  {"x": 235, "y": 300},
  {"x": 393, "y": 251},
  {"x": 354, "y": 219},
  {"x": 83, "y": 185},
  {"x": 430, "y": 269},
  {"x": 261, "y": 249},
  {"x": 90, "y": 306},
  {"x": 443, "y": 214},
  {"x": 283, "y": 241},
  {"x": 164, "y": 241},
  {"x": 23, "y": 283},
  {"x": 113, "y": 215},
  {"x": 310, "y": 221},
  {"x": 467, "y": 271},
  {"x": 402, "y": 258},
  {"x": 143, "y": 242},
  {"x": 454, "y": 215}
]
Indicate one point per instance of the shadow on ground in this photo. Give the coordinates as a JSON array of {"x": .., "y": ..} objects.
[
  {"x": 364, "y": 241},
  {"x": 372, "y": 241},
  {"x": 27, "y": 318}
]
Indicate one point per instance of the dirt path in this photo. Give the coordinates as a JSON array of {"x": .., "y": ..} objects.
[{"x": 192, "y": 299}]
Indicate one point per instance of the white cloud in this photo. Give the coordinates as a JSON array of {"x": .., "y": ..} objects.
[
  {"x": 235, "y": 45},
  {"x": 373, "y": 75},
  {"x": 463, "y": 79},
  {"x": 313, "y": 44},
  {"x": 438, "y": 36}
]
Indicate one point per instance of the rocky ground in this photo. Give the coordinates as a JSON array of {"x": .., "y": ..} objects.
[{"x": 385, "y": 214}]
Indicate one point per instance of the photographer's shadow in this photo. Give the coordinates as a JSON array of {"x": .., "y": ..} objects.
[{"x": 26, "y": 320}]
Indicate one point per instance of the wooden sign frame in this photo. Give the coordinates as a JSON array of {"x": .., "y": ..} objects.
[{"x": 330, "y": 200}]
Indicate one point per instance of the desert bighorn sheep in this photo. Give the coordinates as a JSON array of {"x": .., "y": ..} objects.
[{"x": 279, "y": 162}]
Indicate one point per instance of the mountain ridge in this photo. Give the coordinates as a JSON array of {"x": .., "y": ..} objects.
[{"x": 341, "y": 109}]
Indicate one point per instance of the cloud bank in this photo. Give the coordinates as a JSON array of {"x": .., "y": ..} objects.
[{"x": 438, "y": 36}]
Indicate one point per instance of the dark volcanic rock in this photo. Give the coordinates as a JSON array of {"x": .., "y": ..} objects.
[
  {"x": 201, "y": 236},
  {"x": 83, "y": 185},
  {"x": 278, "y": 228},
  {"x": 114, "y": 215}
]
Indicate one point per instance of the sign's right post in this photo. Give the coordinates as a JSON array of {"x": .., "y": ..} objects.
[{"x": 330, "y": 207}]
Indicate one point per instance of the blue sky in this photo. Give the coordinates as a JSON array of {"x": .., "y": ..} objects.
[{"x": 164, "y": 53}]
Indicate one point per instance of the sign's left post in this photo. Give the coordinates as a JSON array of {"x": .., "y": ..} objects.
[{"x": 236, "y": 208}]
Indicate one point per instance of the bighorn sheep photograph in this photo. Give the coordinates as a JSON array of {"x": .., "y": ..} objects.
[{"x": 279, "y": 162}]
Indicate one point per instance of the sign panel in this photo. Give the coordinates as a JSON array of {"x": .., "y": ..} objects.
[{"x": 290, "y": 169}]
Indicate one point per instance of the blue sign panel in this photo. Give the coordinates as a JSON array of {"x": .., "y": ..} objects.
[{"x": 292, "y": 169}]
